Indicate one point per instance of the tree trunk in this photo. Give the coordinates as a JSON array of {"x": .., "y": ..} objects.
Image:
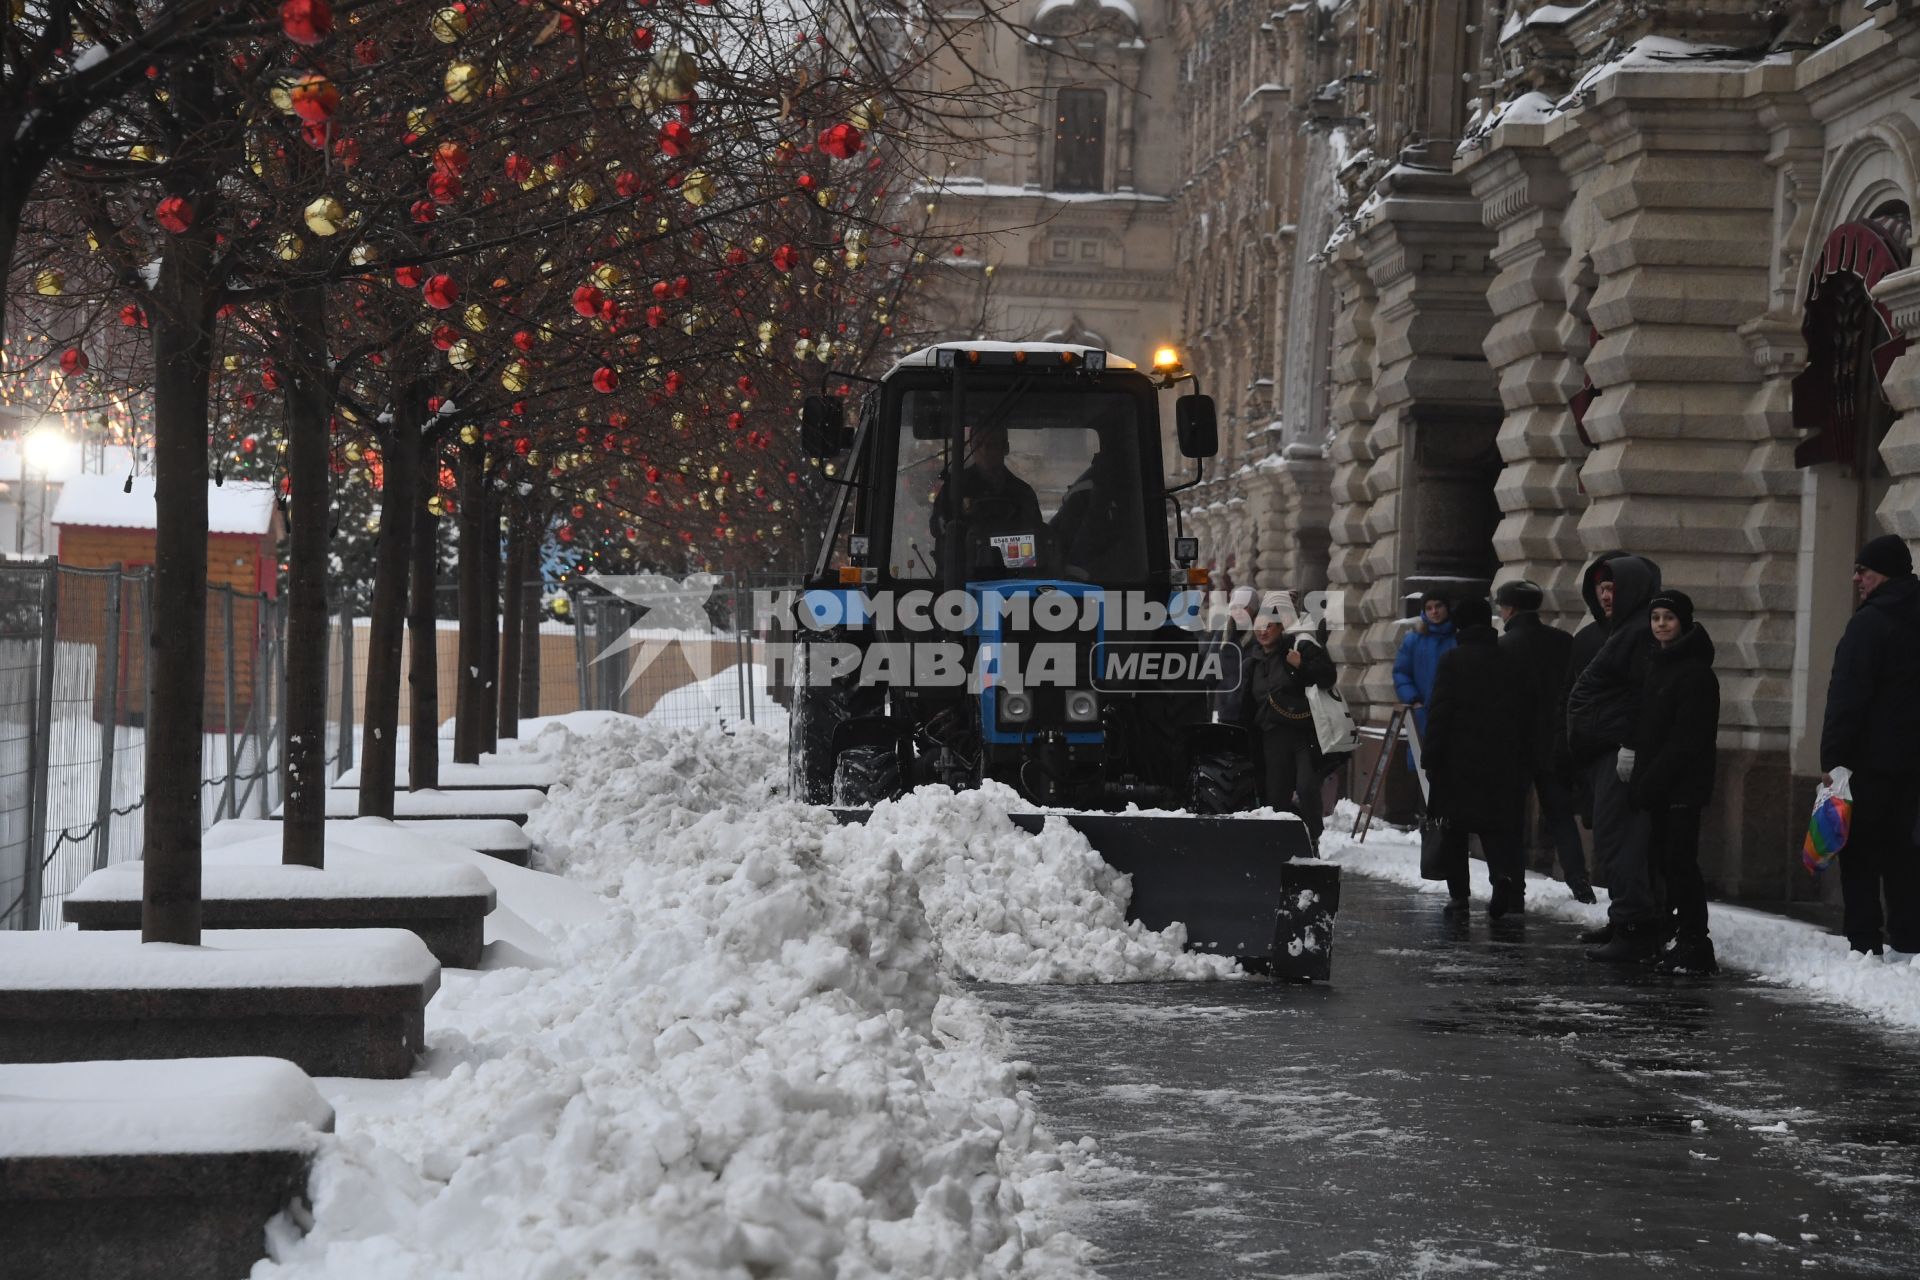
[
  {"x": 391, "y": 554},
  {"x": 512, "y": 620},
  {"x": 423, "y": 632},
  {"x": 182, "y": 320},
  {"x": 490, "y": 636},
  {"x": 303, "y": 836},
  {"x": 473, "y": 585},
  {"x": 533, "y": 529}
]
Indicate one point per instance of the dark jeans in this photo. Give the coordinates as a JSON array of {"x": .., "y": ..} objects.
[
  {"x": 1287, "y": 753},
  {"x": 1556, "y": 811},
  {"x": 1674, "y": 836},
  {"x": 1620, "y": 860},
  {"x": 1880, "y": 855}
]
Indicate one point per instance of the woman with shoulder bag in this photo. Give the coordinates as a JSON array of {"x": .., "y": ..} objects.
[{"x": 1280, "y": 668}]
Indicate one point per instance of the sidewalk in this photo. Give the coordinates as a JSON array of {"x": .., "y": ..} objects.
[{"x": 1475, "y": 1097}]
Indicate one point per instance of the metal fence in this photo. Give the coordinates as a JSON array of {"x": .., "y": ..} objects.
[{"x": 74, "y": 683}]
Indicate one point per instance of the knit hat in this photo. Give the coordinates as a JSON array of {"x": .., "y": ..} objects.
[
  {"x": 1520, "y": 594},
  {"x": 1678, "y": 601},
  {"x": 1441, "y": 596},
  {"x": 1472, "y": 612},
  {"x": 1886, "y": 554}
]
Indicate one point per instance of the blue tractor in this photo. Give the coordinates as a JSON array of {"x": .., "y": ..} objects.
[{"x": 998, "y": 595}]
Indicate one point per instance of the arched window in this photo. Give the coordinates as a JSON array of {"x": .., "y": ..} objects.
[{"x": 1080, "y": 140}]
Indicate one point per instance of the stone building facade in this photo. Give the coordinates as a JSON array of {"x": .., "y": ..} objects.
[{"x": 1485, "y": 287}]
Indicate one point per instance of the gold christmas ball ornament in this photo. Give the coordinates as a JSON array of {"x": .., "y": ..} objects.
[
  {"x": 608, "y": 276},
  {"x": 678, "y": 67},
  {"x": 140, "y": 151},
  {"x": 469, "y": 434},
  {"x": 767, "y": 330},
  {"x": 988, "y": 270},
  {"x": 230, "y": 363},
  {"x": 361, "y": 255},
  {"x": 802, "y": 349},
  {"x": 373, "y": 523},
  {"x": 419, "y": 119},
  {"x": 821, "y": 267},
  {"x": 463, "y": 82},
  {"x": 325, "y": 216},
  {"x": 352, "y": 451},
  {"x": 663, "y": 225},
  {"x": 448, "y": 26},
  {"x": 854, "y": 259},
  {"x": 823, "y": 351},
  {"x": 561, "y": 606},
  {"x": 475, "y": 317},
  {"x": 437, "y": 505},
  {"x": 514, "y": 376},
  {"x": 289, "y": 246},
  {"x": 580, "y": 196},
  {"x": 758, "y": 245},
  {"x": 461, "y": 355},
  {"x": 50, "y": 283},
  {"x": 697, "y": 188},
  {"x": 867, "y": 114}
]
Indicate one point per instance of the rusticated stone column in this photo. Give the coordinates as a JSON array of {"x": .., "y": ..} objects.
[
  {"x": 1900, "y": 511},
  {"x": 1352, "y": 411}
]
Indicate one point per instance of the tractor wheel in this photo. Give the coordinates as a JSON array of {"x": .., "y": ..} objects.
[
  {"x": 818, "y": 710},
  {"x": 864, "y": 776},
  {"x": 1221, "y": 782}
]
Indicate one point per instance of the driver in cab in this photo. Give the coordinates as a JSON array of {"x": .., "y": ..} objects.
[{"x": 993, "y": 500}]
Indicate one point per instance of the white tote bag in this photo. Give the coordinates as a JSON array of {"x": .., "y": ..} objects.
[{"x": 1333, "y": 724}]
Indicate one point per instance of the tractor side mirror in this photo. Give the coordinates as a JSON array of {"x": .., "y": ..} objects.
[
  {"x": 1196, "y": 426},
  {"x": 823, "y": 427}
]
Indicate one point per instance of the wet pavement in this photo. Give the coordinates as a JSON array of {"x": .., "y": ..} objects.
[{"x": 1475, "y": 1098}]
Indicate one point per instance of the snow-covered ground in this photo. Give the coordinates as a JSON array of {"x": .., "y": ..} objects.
[
  {"x": 1789, "y": 952},
  {"x": 758, "y": 1062}
]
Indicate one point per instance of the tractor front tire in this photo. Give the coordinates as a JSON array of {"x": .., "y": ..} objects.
[
  {"x": 864, "y": 776},
  {"x": 1221, "y": 782}
]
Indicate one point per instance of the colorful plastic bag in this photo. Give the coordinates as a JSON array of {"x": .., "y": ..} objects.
[{"x": 1832, "y": 819}]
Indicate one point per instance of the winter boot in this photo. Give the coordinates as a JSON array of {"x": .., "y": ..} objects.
[
  {"x": 1630, "y": 944},
  {"x": 1598, "y": 937},
  {"x": 1509, "y": 898},
  {"x": 1458, "y": 905},
  {"x": 1581, "y": 891},
  {"x": 1689, "y": 955}
]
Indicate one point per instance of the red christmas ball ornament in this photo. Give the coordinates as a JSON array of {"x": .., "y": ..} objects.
[
  {"x": 347, "y": 152},
  {"x": 522, "y": 446},
  {"x": 523, "y": 339},
  {"x": 627, "y": 185},
  {"x": 133, "y": 317},
  {"x": 675, "y": 138},
  {"x": 174, "y": 213},
  {"x": 959, "y": 251},
  {"x": 441, "y": 292},
  {"x": 315, "y": 98},
  {"x": 662, "y": 290},
  {"x": 270, "y": 380},
  {"x": 366, "y": 52},
  {"x": 73, "y": 362},
  {"x": 735, "y": 421},
  {"x": 605, "y": 380},
  {"x": 786, "y": 257},
  {"x": 423, "y": 211},
  {"x": 804, "y": 182},
  {"x": 565, "y": 533},
  {"x": 675, "y": 381},
  {"x": 656, "y": 316},
  {"x": 680, "y": 286},
  {"x": 643, "y": 38},
  {"x": 519, "y": 168},
  {"x": 306, "y": 21},
  {"x": 451, "y": 157},
  {"x": 444, "y": 336},
  {"x": 842, "y": 141},
  {"x": 587, "y": 301},
  {"x": 408, "y": 277},
  {"x": 249, "y": 446},
  {"x": 444, "y": 187}
]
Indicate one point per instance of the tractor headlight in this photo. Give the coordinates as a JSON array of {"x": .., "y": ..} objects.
[
  {"x": 1083, "y": 706},
  {"x": 1016, "y": 708}
]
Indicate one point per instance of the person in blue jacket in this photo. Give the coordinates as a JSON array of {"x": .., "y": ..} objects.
[{"x": 1421, "y": 649}]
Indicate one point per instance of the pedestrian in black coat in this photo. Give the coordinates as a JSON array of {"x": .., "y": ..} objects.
[
  {"x": 1479, "y": 748},
  {"x": 1872, "y": 728},
  {"x": 1280, "y": 667},
  {"x": 1544, "y": 652},
  {"x": 1671, "y": 749},
  {"x": 1599, "y": 717}
]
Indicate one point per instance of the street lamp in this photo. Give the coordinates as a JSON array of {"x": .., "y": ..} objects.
[{"x": 44, "y": 447}]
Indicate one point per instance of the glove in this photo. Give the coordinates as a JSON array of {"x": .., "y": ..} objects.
[{"x": 1623, "y": 765}]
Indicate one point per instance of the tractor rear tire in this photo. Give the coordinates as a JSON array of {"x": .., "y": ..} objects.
[
  {"x": 864, "y": 776},
  {"x": 1221, "y": 782}
]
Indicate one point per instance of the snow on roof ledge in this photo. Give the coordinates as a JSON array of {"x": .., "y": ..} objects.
[
  {"x": 180, "y": 1106},
  {"x": 103, "y": 502}
]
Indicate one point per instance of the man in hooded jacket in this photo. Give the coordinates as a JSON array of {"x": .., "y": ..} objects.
[
  {"x": 1600, "y": 713},
  {"x": 1872, "y": 728},
  {"x": 1542, "y": 652}
]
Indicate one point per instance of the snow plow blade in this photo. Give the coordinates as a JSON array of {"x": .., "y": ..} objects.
[{"x": 1244, "y": 887}]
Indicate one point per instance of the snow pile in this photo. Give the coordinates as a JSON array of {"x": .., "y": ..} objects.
[
  {"x": 753, "y": 1065},
  {"x": 1013, "y": 907},
  {"x": 1791, "y": 953}
]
